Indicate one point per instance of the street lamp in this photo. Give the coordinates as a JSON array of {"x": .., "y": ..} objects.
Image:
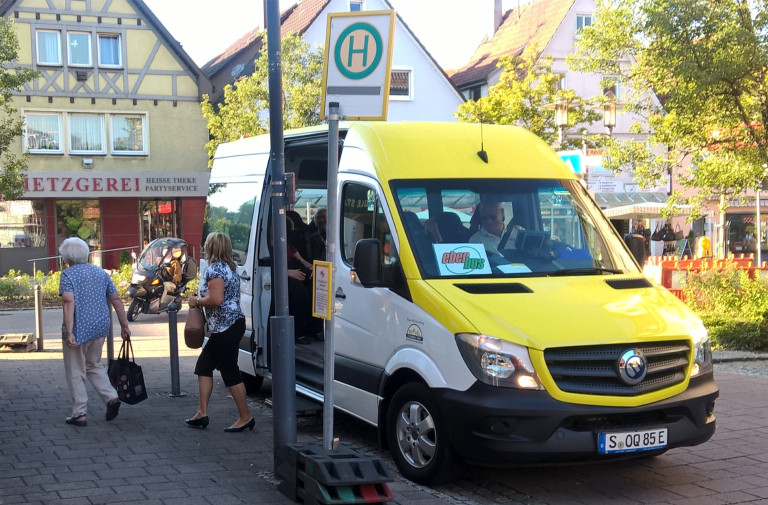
[
  {"x": 561, "y": 116},
  {"x": 609, "y": 114}
]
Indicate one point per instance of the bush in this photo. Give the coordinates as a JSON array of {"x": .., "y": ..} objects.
[
  {"x": 9, "y": 288},
  {"x": 125, "y": 258},
  {"x": 735, "y": 333},
  {"x": 733, "y": 307}
]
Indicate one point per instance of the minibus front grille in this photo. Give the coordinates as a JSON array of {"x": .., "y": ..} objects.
[
  {"x": 595, "y": 369},
  {"x": 634, "y": 421}
]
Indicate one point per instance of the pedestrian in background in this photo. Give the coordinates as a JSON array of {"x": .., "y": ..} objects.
[
  {"x": 220, "y": 297},
  {"x": 86, "y": 291}
]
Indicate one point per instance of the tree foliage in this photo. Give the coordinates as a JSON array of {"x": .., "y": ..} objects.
[
  {"x": 12, "y": 78},
  {"x": 708, "y": 63},
  {"x": 525, "y": 86},
  {"x": 246, "y": 103}
]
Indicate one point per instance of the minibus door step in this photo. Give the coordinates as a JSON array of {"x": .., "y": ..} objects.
[{"x": 304, "y": 406}]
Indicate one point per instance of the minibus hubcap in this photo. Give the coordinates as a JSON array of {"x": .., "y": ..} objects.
[{"x": 416, "y": 434}]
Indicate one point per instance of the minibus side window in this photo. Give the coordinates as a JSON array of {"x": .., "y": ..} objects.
[
  {"x": 230, "y": 211},
  {"x": 363, "y": 217}
]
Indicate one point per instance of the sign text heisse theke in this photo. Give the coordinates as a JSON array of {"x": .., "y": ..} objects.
[{"x": 94, "y": 185}]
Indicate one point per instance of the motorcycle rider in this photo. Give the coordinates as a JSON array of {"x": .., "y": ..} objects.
[{"x": 172, "y": 274}]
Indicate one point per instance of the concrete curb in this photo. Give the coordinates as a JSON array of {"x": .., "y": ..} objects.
[{"x": 733, "y": 356}]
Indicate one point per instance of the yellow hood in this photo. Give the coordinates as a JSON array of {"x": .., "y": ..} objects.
[{"x": 566, "y": 311}]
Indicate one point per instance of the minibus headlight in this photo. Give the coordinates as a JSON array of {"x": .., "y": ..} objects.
[
  {"x": 702, "y": 360},
  {"x": 498, "y": 362}
]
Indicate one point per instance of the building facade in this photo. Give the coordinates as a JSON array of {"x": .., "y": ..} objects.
[
  {"x": 419, "y": 91},
  {"x": 114, "y": 131}
]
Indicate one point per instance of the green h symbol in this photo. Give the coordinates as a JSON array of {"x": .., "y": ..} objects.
[{"x": 353, "y": 51}]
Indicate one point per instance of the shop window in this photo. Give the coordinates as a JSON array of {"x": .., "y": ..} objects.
[
  {"x": 22, "y": 223},
  {"x": 43, "y": 133},
  {"x": 86, "y": 134},
  {"x": 79, "y": 49},
  {"x": 48, "y": 47},
  {"x": 128, "y": 135},
  {"x": 109, "y": 50},
  {"x": 80, "y": 218},
  {"x": 401, "y": 84},
  {"x": 159, "y": 218}
]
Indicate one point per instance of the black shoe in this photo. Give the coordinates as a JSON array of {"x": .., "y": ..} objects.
[
  {"x": 200, "y": 422},
  {"x": 303, "y": 341},
  {"x": 319, "y": 337},
  {"x": 249, "y": 425},
  {"x": 113, "y": 407},
  {"x": 77, "y": 421}
]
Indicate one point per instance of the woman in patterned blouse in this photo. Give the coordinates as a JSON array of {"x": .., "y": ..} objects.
[{"x": 220, "y": 296}]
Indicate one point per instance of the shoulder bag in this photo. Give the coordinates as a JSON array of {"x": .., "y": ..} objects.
[{"x": 194, "y": 329}]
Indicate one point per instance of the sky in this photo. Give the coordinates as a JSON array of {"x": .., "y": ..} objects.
[{"x": 451, "y": 30}]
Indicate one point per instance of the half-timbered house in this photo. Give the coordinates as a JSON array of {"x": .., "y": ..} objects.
[{"x": 113, "y": 128}]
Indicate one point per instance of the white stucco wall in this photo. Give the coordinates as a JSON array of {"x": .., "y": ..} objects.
[{"x": 434, "y": 99}]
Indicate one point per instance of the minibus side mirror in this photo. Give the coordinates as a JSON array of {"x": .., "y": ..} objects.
[
  {"x": 636, "y": 245},
  {"x": 367, "y": 262}
]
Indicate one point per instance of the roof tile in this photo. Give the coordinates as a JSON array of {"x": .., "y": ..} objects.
[
  {"x": 536, "y": 25},
  {"x": 295, "y": 19}
]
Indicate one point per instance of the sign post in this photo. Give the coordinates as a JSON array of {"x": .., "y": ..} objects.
[{"x": 358, "y": 62}]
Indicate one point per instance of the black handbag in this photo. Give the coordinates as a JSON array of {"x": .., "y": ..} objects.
[
  {"x": 658, "y": 233},
  {"x": 126, "y": 376},
  {"x": 669, "y": 234}
]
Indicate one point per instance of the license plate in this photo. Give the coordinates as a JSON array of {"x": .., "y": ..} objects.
[{"x": 632, "y": 441}]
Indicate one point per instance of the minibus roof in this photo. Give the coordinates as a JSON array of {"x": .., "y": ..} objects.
[{"x": 419, "y": 150}]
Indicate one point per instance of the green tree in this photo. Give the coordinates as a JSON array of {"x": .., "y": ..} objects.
[
  {"x": 707, "y": 62},
  {"x": 244, "y": 111},
  {"x": 525, "y": 86},
  {"x": 12, "y": 78}
]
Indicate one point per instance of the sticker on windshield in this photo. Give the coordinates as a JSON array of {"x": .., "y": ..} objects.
[
  {"x": 514, "y": 268},
  {"x": 461, "y": 259}
]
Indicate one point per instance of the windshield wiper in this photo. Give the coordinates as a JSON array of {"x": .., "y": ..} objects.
[{"x": 586, "y": 271}]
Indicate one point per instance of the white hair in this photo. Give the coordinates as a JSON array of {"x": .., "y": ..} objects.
[{"x": 74, "y": 251}]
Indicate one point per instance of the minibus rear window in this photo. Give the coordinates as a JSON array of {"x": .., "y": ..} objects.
[{"x": 506, "y": 228}]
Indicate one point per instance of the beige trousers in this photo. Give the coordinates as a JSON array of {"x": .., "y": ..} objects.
[{"x": 83, "y": 362}]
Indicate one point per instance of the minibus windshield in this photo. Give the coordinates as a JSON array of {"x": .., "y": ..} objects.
[{"x": 507, "y": 228}]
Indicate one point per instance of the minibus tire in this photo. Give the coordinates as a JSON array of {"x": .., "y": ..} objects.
[
  {"x": 444, "y": 465},
  {"x": 134, "y": 310},
  {"x": 252, "y": 383}
]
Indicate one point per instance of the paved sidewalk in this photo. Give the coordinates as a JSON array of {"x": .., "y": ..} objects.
[{"x": 147, "y": 455}]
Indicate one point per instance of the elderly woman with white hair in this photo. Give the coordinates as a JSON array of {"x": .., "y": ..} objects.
[{"x": 85, "y": 291}]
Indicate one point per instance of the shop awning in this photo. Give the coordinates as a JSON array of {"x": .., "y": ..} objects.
[{"x": 645, "y": 209}]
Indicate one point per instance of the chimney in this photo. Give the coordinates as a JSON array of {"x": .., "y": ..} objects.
[{"x": 496, "y": 15}]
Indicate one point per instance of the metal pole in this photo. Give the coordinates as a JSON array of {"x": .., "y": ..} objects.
[
  {"x": 758, "y": 232},
  {"x": 39, "y": 316},
  {"x": 111, "y": 336},
  {"x": 331, "y": 238},
  {"x": 281, "y": 325},
  {"x": 174, "y": 341}
]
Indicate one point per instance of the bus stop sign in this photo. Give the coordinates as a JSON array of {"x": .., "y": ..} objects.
[{"x": 358, "y": 61}]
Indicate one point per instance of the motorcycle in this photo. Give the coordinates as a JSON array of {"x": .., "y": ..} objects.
[{"x": 150, "y": 271}]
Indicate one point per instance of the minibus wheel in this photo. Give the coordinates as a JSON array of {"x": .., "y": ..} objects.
[
  {"x": 418, "y": 437},
  {"x": 134, "y": 310}
]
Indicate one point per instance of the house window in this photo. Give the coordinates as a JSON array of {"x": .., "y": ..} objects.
[
  {"x": 86, "y": 134},
  {"x": 582, "y": 21},
  {"x": 475, "y": 93},
  {"x": 79, "y": 48},
  {"x": 43, "y": 133},
  {"x": 128, "y": 135},
  {"x": 611, "y": 86},
  {"x": 562, "y": 82},
  {"x": 48, "y": 47},
  {"x": 356, "y": 5},
  {"x": 109, "y": 50},
  {"x": 401, "y": 84}
]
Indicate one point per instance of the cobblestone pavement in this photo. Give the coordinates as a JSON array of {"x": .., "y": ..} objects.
[{"x": 148, "y": 456}]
